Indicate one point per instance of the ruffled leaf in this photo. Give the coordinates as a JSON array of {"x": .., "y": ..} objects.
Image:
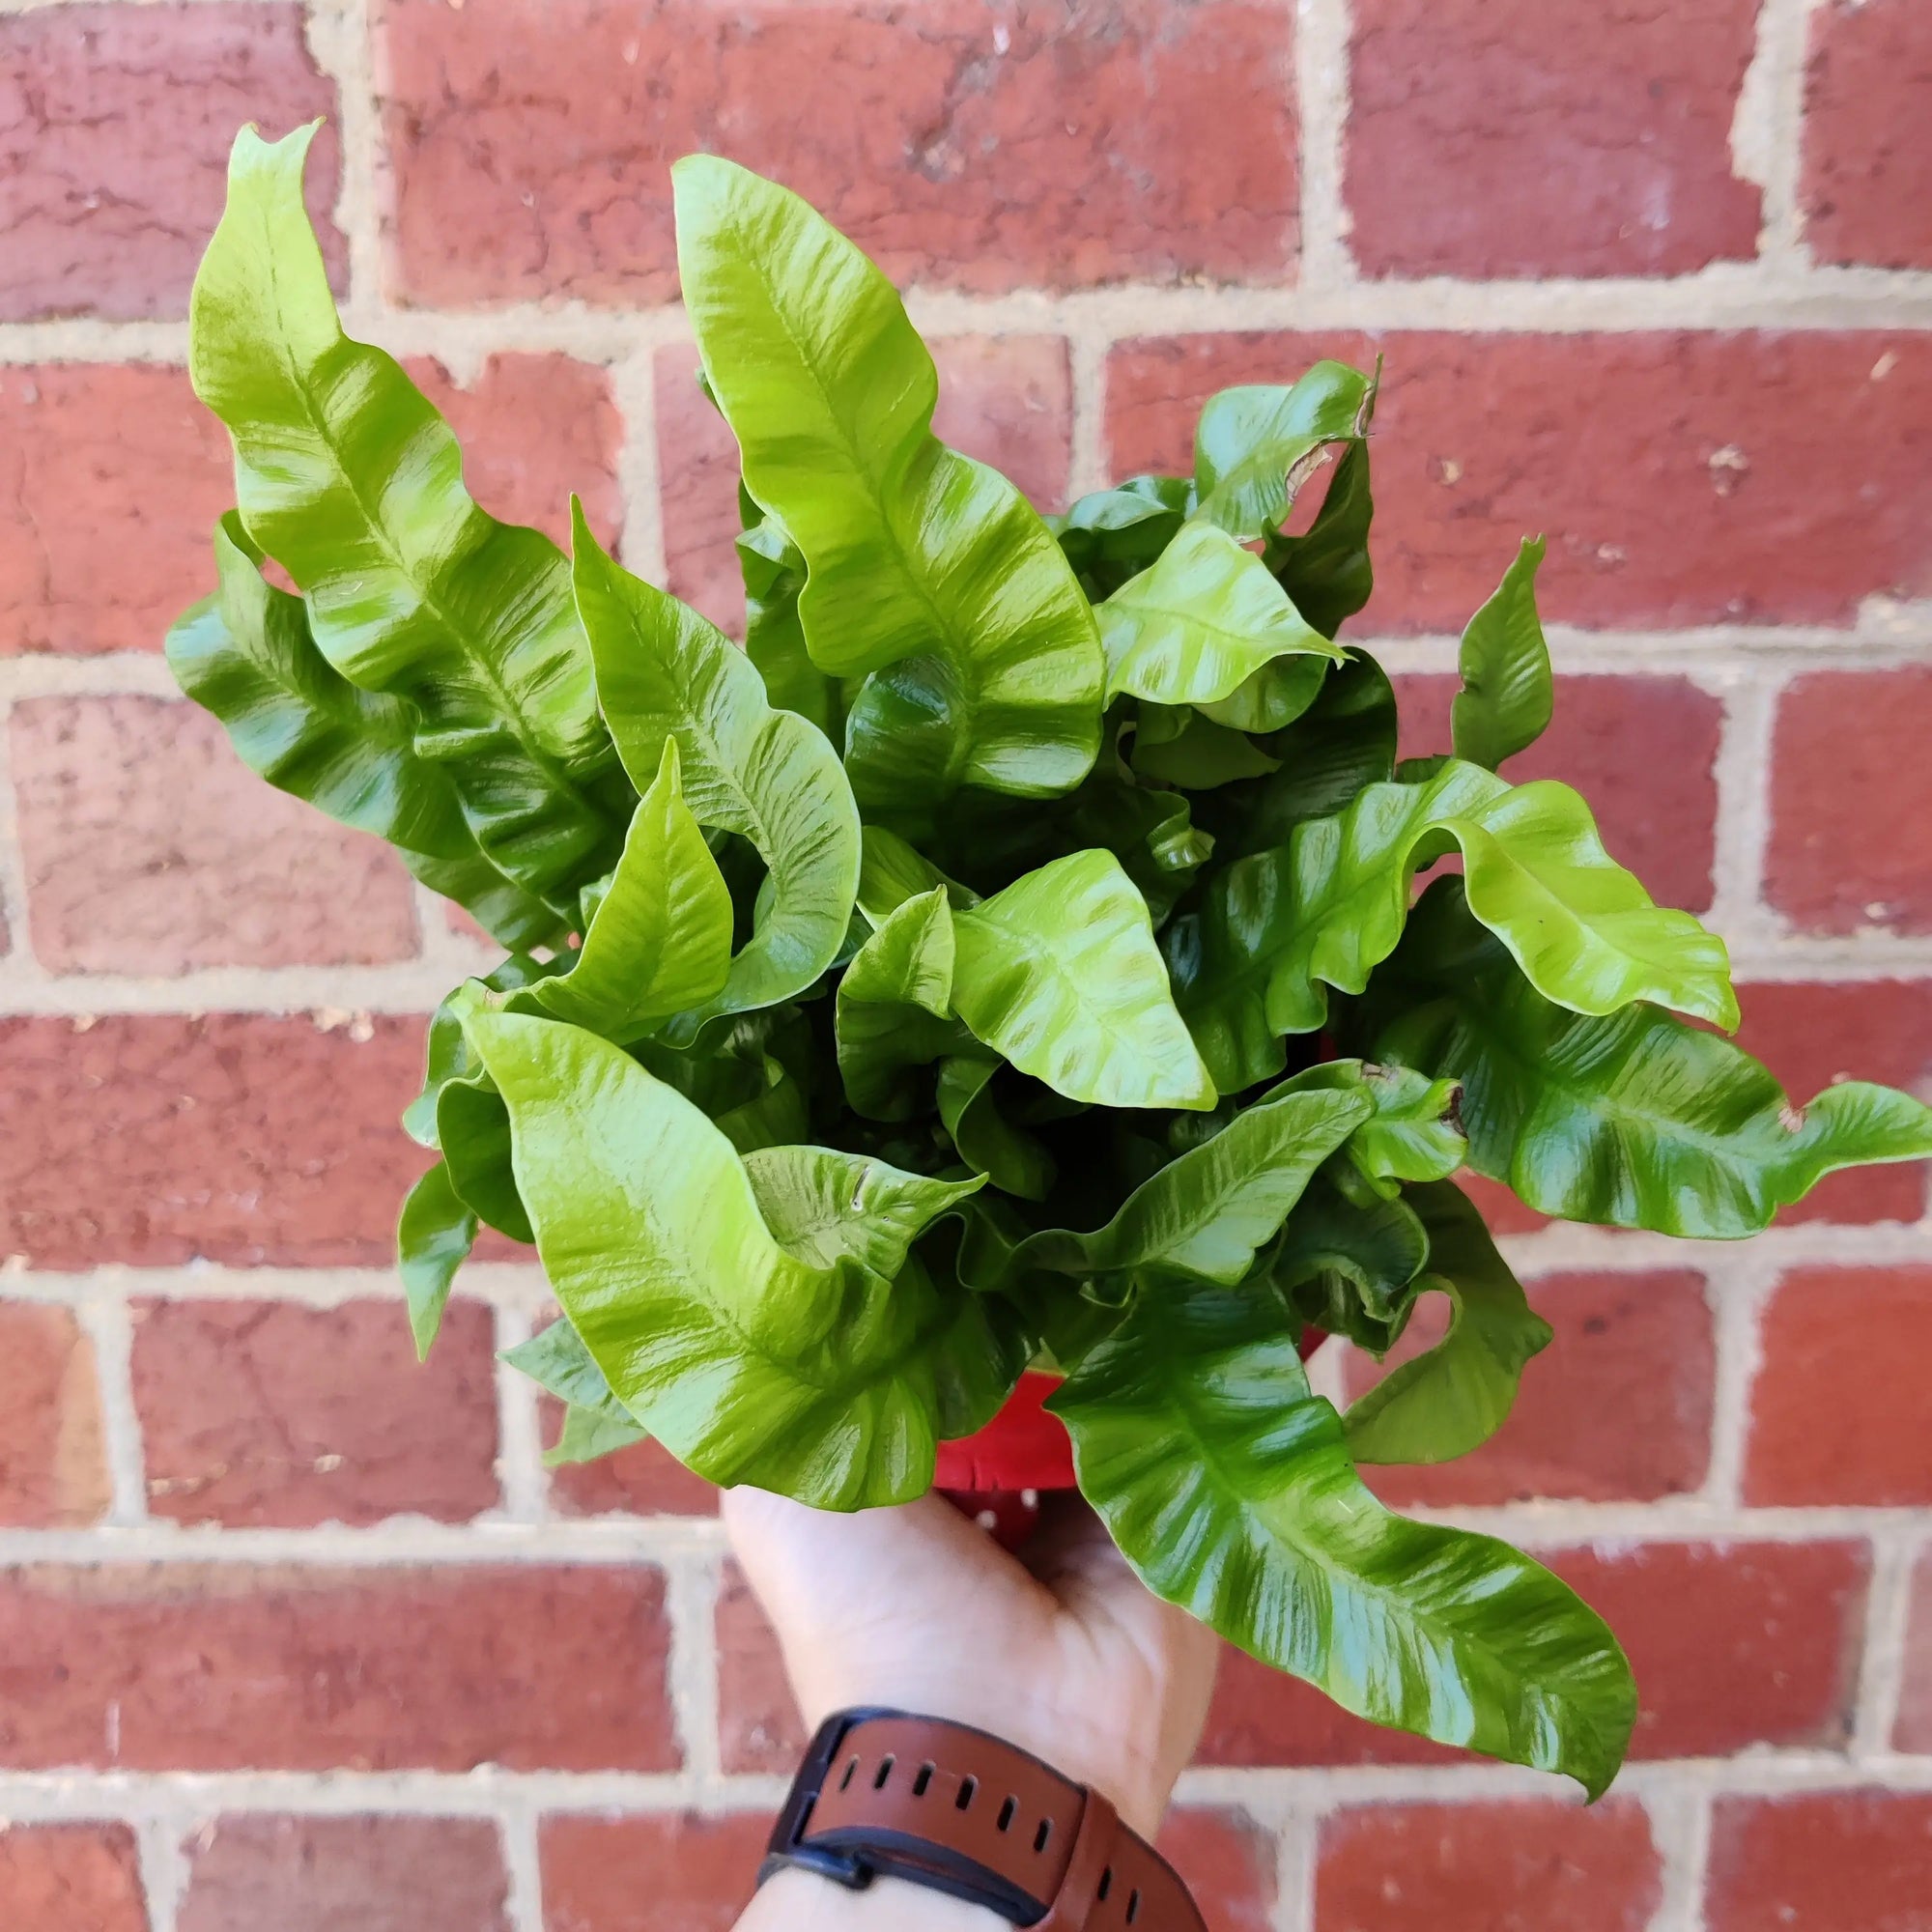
[
  {"x": 1196, "y": 1415},
  {"x": 1279, "y": 928},
  {"x": 1110, "y": 536},
  {"x": 1634, "y": 1119},
  {"x": 1012, "y": 1159},
  {"x": 894, "y": 1008},
  {"x": 924, "y": 568},
  {"x": 663, "y": 672},
  {"x": 1455, "y": 1396},
  {"x": 1328, "y": 572},
  {"x": 1060, "y": 973},
  {"x": 774, "y": 574},
  {"x": 1349, "y": 1260},
  {"x": 823, "y": 1204},
  {"x": 348, "y": 478},
  {"x": 827, "y": 1384},
  {"x": 1254, "y": 446}
]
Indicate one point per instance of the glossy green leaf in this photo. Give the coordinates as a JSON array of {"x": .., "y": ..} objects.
[
  {"x": 1271, "y": 698},
  {"x": 595, "y": 1422},
  {"x": 1350, "y": 1258},
  {"x": 1228, "y": 1487},
  {"x": 828, "y": 1384},
  {"x": 348, "y": 477},
  {"x": 246, "y": 655},
  {"x": 894, "y": 1008},
  {"x": 1012, "y": 1159},
  {"x": 769, "y": 776},
  {"x": 1061, "y": 975},
  {"x": 1207, "y": 1211},
  {"x": 1635, "y": 1119},
  {"x": 777, "y": 1115},
  {"x": 1202, "y": 755},
  {"x": 1108, "y": 535},
  {"x": 924, "y": 568},
  {"x": 433, "y": 1236},
  {"x": 1454, "y": 1397},
  {"x": 1411, "y": 1135},
  {"x": 1327, "y": 571},
  {"x": 1255, "y": 446},
  {"x": 774, "y": 574},
  {"x": 1199, "y": 622},
  {"x": 472, "y": 1128},
  {"x": 448, "y": 1057},
  {"x": 823, "y": 1204},
  {"x": 1280, "y": 927},
  {"x": 661, "y": 939},
  {"x": 1507, "y": 694}
]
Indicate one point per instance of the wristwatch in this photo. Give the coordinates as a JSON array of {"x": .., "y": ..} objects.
[{"x": 887, "y": 1794}]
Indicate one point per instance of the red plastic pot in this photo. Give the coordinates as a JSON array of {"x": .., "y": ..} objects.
[{"x": 999, "y": 1475}]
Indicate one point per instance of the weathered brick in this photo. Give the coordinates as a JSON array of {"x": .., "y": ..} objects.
[
  {"x": 152, "y": 849},
  {"x": 250, "y": 1872},
  {"x": 1835, "y": 1419},
  {"x": 245, "y": 1138},
  {"x": 1633, "y": 1352},
  {"x": 1867, "y": 187},
  {"x": 1504, "y": 137},
  {"x": 1821, "y": 1862},
  {"x": 758, "y": 1724},
  {"x": 53, "y": 1470},
  {"x": 974, "y": 147},
  {"x": 115, "y": 123},
  {"x": 1851, "y": 791},
  {"x": 1682, "y": 477},
  {"x": 1914, "y": 1732},
  {"x": 229, "y": 1666},
  {"x": 1641, "y": 749},
  {"x": 644, "y": 1479},
  {"x": 261, "y": 1412},
  {"x": 1005, "y": 399},
  {"x": 1770, "y": 1657},
  {"x": 535, "y": 428},
  {"x": 1813, "y": 1035},
  {"x": 664, "y": 1873},
  {"x": 1228, "y": 1863},
  {"x": 111, "y": 478},
  {"x": 1499, "y": 1866},
  {"x": 71, "y": 1878}
]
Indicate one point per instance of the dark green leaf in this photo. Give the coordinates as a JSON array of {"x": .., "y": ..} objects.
[
  {"x": 434, "y": 1236},
  {"x": 1200, "y": 756},
  {"x": 1228, "y": 1487},
  {"x": 1010, "y": 1158},
  {"x": 1328, "y": 572},
  {"x": 894, "y": 1008},
  {"x": 1349, "y": 1260}
]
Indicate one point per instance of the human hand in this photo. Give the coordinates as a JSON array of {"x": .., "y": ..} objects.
[{"x": 1059, "y": 1650}]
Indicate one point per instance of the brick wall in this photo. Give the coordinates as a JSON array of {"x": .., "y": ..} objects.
[{"x": 295, "y": 1634}]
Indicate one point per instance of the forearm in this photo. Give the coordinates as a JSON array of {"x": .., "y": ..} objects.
[{"x": 797, "y": 1901}]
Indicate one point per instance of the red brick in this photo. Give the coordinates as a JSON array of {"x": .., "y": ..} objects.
[
  {"x": 1842, "y": 1409},
  {"x": 229, "y": 1666},
  {"x": 644, "y": 1479},
  {"x": 245, "y": 1138},
  {"x": 759, "y": 1724},
  {"x": 326, "y": 1874},
  {"x": 149, "y": 466},
  {"x": 1506, "y": 137},
  {"x": 1229, "y": 1864},
  {"x": 1505, "y": 1866},
  {"x": 976, "y": 147},
  {"x": 1867, "y": 189},
  {"x": 1005, "y": 399},
  {"x": 1633, "y": 1352},
  {"x": 71, "y": 1878},
  {"x": 152, "y": 849},
  {"x": 1914, "y": 1731},
  {"x": 1851, "y": 791},
  {"x": 1641, "y": 749},
  {"x": 52, "y": 1467},
  {"x": 115, "y": 125},
  {"x": 1821, "y": 1862},
  {"x": 1625, "y": 449},
  {"x": 666, "y": 1872},
  {"x": 534, "y": 427},
  {"x": 260, "y": 1412},
  {"x": 1813, "y": 1035},
  {"x": 1770, "y": 1657}
]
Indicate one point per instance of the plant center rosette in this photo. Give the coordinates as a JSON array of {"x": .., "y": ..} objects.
[{"x": 1001, "y": 986}]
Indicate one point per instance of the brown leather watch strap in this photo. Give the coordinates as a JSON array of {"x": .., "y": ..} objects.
[{"x": 884, "y": 1793}]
